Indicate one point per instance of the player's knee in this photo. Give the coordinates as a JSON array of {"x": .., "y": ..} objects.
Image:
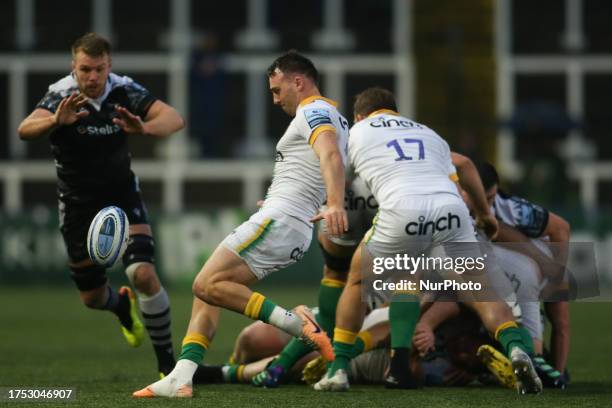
[
  {"x": 143, "y": 277},
  {"x": 250, "y": 339},
  {"x": 206, "y": 287},
  {"x": 493, "y": 314},
  {"x": 139, "y": 261},
  {"x": 140, "y": 249}
]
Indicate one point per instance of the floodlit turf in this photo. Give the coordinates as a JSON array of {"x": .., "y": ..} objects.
[{"x": 48, "y": 339}]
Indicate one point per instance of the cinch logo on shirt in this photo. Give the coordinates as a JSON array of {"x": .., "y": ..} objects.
[
  {"x": 358, "y": 202},
  {"x": 441, "y": 224},
  {"x": 394, "y": 123},
  {"x": 98, "y": 130}
]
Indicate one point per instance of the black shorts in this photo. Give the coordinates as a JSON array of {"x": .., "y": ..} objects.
[{"x": 76, "y": 215}]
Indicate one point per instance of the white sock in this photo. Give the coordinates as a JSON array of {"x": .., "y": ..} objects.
[
  {"x": 170, "y": 385},
  {"x": 286, "y": 321},
  {"x": 156, "y": 318},
  {"x": 184, "y": 371}
]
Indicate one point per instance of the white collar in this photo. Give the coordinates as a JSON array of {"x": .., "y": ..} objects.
[{"x": 97, "y": 103}]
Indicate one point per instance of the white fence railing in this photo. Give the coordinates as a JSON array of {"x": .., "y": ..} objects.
[
  {"x": 253, "y": 175},
  {"x": 171, "y": 174}
]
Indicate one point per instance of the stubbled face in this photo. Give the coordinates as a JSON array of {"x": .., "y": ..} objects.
[
  {"x": 284, "y": 89},
  {"x": 91, "y": 73}
]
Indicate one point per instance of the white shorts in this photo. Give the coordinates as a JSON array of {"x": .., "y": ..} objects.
[
  {"x": 416, "y": 222},
  {"x": 270, "y": 240},
  {"x": 375, "y": 317}
]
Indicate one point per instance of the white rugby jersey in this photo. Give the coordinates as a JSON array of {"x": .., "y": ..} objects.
[
  {"x": 297, "y": 186},
  {"x": 398, "y": 157}
]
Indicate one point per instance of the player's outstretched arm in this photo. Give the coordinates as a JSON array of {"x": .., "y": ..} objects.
[
  {"x": 162, "y": 120},
  {"x": 41, "y": 122},
  {"x": 549, "y": 267},
  {"x": 332, "y": 170}
]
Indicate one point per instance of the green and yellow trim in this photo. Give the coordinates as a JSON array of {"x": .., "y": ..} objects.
[
  {"x": 315, "y": 133},
  {"x": 196, "y": 338},
  {"x": 261, "y": 232},
  {"x": 240, "y": 373},
  {"x": 503, "y": 327},
  {"x": 332, "y": 283},
  {"x": 370, "y": 233},
  {"x": 253, "y": 306},
  {"x": 383, "y": 112},
  {"x": 313, "y": 98},
  {"x": 344, "y": 336},
  {"x": 366, "y": 337}
]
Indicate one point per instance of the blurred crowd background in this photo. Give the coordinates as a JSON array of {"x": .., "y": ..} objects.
[{"x": 522, "y": 84}]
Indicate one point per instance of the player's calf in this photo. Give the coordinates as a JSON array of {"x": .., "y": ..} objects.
[{"x": 138, "y": 259}]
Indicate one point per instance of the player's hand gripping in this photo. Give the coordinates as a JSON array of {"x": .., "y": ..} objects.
[
  {"x": 130, "y": 123},
  {"x": 488, "y": 223},
  {"x": 69, "y": 109},
  {"x": 335, "y": 218},
  {"x": 424, "y": 339}
]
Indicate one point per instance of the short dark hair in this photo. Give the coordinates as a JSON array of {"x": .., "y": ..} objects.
[
  {"x": 292, "y": 62},
  {"x": 373, "y": 99},
  {"x": 488, "y": 175},
  {"x": 91, "y": 44}
]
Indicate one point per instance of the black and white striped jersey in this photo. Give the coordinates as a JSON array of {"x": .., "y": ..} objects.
[{"x": 91, "y": 155}]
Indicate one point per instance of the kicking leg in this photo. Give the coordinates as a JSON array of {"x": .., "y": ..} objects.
[{"x": 224, "y": 282}]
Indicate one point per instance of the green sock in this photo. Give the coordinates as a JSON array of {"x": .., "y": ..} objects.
[
  {"x": 343, "y": 353},
  {"x": 232, "y": 373},
  {"x": 329, "y": 294},
  {"x": 193, "y": 352},
  {"x": 292, "y": 352},
  {"x": 513, "y": 336},
  {"x": 403, "y": 317},
  {"x": 260, "y": 308},
  {"x": 266, "y": 310},
  {"x": 358, "y": 347},
  {"x": 527, "y": 341}
]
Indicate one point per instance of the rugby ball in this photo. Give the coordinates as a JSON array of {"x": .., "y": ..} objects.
[{"x": 108, "y": 236}]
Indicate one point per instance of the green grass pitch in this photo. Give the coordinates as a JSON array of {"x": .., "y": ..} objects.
[{"x": 48, "y": 339}]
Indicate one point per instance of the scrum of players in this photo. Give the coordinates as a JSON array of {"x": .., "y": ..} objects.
[
  {"x": 450, "y": 345},
  {"x": 397, "y": 171}
]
